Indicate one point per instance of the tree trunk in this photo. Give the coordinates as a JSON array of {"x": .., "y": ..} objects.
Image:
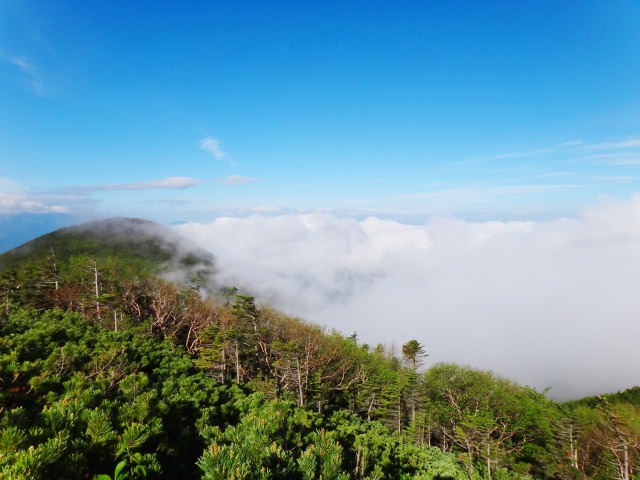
[
  {"x": 300, "y": 388},
  {"x": 97, "y": 288},
  {"x": 573, "y": 449},
  {"x": 488, "y": 461},
  {"x": 625, "y": 473},
  {"x": 237, "y": 364}
]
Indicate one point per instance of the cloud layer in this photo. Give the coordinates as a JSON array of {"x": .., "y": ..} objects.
[{"x": 548, "y": 304}]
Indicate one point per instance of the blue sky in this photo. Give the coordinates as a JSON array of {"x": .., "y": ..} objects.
[{"x": 405, "y": 110}]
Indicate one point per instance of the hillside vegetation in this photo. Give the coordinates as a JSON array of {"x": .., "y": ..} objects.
[
  {"x": 152, "y": 247},
  {"x": 110, "y": 371}
]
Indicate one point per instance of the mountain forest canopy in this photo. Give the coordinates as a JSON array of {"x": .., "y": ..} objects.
[{"x": 121, "y": 357}]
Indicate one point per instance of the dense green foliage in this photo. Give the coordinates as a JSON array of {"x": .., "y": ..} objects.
[
  {"x": 82, "y": 401},
  {"x": 110, "y": 372}
]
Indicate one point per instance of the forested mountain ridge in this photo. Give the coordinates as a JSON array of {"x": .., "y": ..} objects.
[
  {"x": 109, "y": 371},
  {"x": 152, "y": 245}
]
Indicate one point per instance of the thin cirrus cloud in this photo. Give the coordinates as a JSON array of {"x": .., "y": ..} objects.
[
  {"x": 622, "y": 153},
  {"x": 622, "y": 145},
  {"x": 625, "y": 158},
  {"x": 487, "y": 192},
  {"x": 30, "y": 76},
  {"x": 211, "y": 145},
  {"x": 167, "y": 183},
  {"x": 615, "y": 179},
  {"x": 626, "y": 162},
  {"x": 65, "y": 200},
  {"x": 538, "y": 151},
  {"x": 238, "y": 180},
  {"x": 556, "y": 174},
  {"x": 605, "y": 149},
  {"x": 81, "y": 195}
]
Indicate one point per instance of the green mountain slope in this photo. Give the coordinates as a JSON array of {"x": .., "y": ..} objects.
[
  {"x": 151, "y": 245},
  {"x": 629, "y": 396}
]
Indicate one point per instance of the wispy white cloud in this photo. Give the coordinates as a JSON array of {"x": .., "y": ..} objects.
[
  {"x": 614, "y": 155},
  {"x": 626, "y": 162},
  {"x": 556, "y": 174},
  {"x": 211, "y": 145},
  {"x": 16, "y": 198},
  {"x": 538, "y": 151},
  {"x": 8, "y": 185},
  {"x": 75, "y": 197},
  {"x": 511, "y": 155},
  {"x": 238, "y": 180},
  {"x": 610, "y": 149},
  {"x": 167, "y": 183},
  {"x": 615, "y": 178},
  {"x": 627, "y": 157},
  {"x": 621, "y": 145},
  {"x": 14, "y": 204},
  {"x": 621, "y": 153},
  {"x": 485, "y": 192},
  {"x": 570, "y": 143},
  {"x": 170, "y": 202},
  {"x": 31, "y": 77}
]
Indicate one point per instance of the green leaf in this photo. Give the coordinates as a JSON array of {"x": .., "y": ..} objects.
[
  {"x": 141, "y": 470},
  {"x": 121, "y": 464}
]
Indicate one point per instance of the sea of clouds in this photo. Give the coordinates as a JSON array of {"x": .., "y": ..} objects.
[{"x": 549, "y": 304}]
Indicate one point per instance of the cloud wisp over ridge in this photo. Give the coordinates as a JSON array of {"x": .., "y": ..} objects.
[{"x": 548, "y": 304}]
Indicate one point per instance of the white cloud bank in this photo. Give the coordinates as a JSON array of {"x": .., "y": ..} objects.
[{"x": 548, "y": 304}]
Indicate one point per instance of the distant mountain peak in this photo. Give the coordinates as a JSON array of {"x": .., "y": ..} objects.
[{"x": 165, "y": 251}]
